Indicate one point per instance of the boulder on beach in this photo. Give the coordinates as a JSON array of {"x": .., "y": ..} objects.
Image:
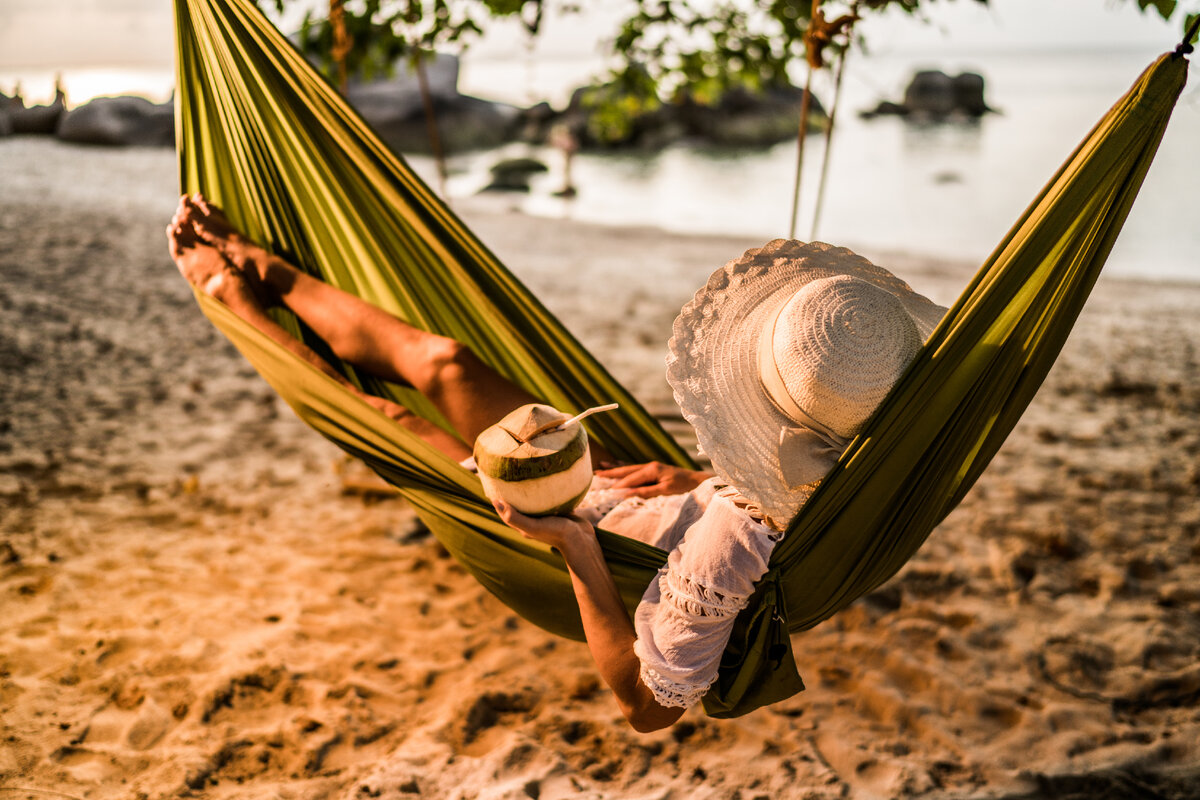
[
  {"x": 35, "y": 119},
  {"x": 513, "y": 174},
  {"x": 6, "y": 103},
  {"x": 534, "y": 123},
  {"x": 395, "y": 109},
  {"x": 934, "y": 96},
  {"x": 463, "y": 123},
  {"x": 117, "y": 121}
]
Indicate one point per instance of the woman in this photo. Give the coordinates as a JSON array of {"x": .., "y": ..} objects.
[{"x": 777, "y": 362}]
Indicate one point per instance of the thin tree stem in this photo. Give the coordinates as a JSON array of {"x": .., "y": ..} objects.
[
  {"x": 801, "y": 135},
  {"x": 837, "y": 96},
  {"x": 435, "y": 140}
]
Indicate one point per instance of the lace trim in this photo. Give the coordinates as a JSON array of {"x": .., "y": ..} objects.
[
  {"x": 755, "y": 511},
  {"x": 697, "y": 599},
  {"x": 668, "y": 693},
  {"x": 604, "y": 500}
]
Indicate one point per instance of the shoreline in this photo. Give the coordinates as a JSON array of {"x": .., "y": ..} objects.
[
  {"x": 100, "y": 167},
  {"x": 196, "y": 608}
]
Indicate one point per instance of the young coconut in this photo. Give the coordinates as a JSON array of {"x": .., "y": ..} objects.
[{"x": 536, "y": 459}]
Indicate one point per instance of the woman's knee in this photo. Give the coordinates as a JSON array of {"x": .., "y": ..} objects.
[{"x": 447, "y": 363}]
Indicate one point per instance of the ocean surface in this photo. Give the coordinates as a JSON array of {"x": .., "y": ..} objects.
[{"x": 948, "y": 191}]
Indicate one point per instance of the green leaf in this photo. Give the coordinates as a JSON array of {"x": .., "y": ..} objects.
[
  {"x": 1165, "y": 8},
  {"x": 1188, "y": 22}
]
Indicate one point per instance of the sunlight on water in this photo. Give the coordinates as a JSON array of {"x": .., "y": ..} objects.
[
  {"x": 83, "y": 85},
  {"x": 948, "y": 191}
]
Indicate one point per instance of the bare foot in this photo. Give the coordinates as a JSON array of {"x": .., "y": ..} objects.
[
  {"x": 203, "y": 266},
  {"x": 214, "y": 227}
]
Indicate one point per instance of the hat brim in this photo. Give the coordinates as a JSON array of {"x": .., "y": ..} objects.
[{"x": 712, "y": 359}]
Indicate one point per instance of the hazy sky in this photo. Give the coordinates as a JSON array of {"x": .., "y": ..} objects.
[{"x": 138, "y": 33}]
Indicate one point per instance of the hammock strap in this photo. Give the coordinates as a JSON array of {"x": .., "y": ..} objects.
[{"x": 1185, "y": 47}]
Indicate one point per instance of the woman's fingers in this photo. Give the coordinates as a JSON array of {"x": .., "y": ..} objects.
[
  {"x": 504, "y": 510},
  {"x": 618, "y": 472},
  {"x": 552, "y": 530},
  {"x": 515, "y": 519},
  {"x": 646, "y": 475},
  {"x": 507, "y": 513}
]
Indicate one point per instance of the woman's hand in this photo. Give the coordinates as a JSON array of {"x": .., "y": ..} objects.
[
  {"x": 563, "y": 533},
  {"x": 654, "y": 478}
]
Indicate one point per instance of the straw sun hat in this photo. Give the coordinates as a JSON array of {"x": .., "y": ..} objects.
[{"x": 779, "y": 360}]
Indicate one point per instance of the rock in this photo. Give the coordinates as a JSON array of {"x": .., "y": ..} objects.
[
  {"x": 740, "y": 119},
  {"x": 932, "y": 95},
  {"x": 441, "y": 73},
  {"x": 533, "y": 123},
  {"x": 512, "y": 174},
  {"x": 968, "y": 94},
  {"x": 885, "y": 108},
  {"x": 120, "y": 121},
  {"x": 36, "y": 119},
  {"x": 524, "y": 166},
  {"x": 466, "y": 123},
  {"x": 930, "y": 92},
  {"x": 752, "y": 119},
  {"x": 395, "y": 109},
  {"x": 6, "y": 103},
  {"x": 400, "y": 93}
]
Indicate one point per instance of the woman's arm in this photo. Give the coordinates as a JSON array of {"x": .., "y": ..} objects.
[{"x": 610, "y": 634}]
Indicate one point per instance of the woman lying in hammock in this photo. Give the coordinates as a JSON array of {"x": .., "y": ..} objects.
[{"x": 777, "y": 362}]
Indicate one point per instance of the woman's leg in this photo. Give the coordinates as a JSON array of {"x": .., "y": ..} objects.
[
  {"x": 469, "y": 393},
  {"x": 206, "y": 268}
]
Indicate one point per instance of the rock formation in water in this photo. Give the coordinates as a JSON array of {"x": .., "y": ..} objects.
[
  {"x": 934, "y": 96},
  {"x": 741, "y": 118}
]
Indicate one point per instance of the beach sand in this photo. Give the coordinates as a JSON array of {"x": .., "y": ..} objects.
[{"x": 192, "y": 605}]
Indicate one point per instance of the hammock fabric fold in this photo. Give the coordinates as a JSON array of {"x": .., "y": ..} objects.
[{"x": 264, "y": 136}]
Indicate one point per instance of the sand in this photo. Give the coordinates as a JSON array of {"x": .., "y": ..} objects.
[{"x": 192, "y": 605}]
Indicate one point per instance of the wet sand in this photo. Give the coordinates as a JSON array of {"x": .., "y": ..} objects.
[{"x": 193, "y": 605}]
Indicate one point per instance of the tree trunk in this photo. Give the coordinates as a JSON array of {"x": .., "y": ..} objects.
[
  {"x": 341, "y": 42},
  {"x": 435, "y": 141}
]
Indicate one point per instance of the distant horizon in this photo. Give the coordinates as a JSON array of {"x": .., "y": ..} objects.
[
  {"x": 130, "y": 48},
  {"x": 157, "y": 82},
  {"x": 138, "y": 34}
]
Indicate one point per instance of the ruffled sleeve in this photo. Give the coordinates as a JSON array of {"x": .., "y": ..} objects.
[{"x": 686, "y": 615}]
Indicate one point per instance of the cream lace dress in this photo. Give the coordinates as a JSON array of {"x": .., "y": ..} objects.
[{"x": 717, "y": 550}]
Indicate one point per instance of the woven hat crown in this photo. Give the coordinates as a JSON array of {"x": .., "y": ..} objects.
[{"x": 840, "y": 344}]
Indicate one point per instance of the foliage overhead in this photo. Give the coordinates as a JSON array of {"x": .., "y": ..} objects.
[
  {"x": 664, "y": 50},
  {"x": 383, "y": 31}
]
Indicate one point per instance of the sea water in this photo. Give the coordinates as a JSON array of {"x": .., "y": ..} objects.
[{"x": 948, "y": 190}]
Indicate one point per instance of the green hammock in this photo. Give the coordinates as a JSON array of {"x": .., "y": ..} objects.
[{"x": 263, "y": 135}]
